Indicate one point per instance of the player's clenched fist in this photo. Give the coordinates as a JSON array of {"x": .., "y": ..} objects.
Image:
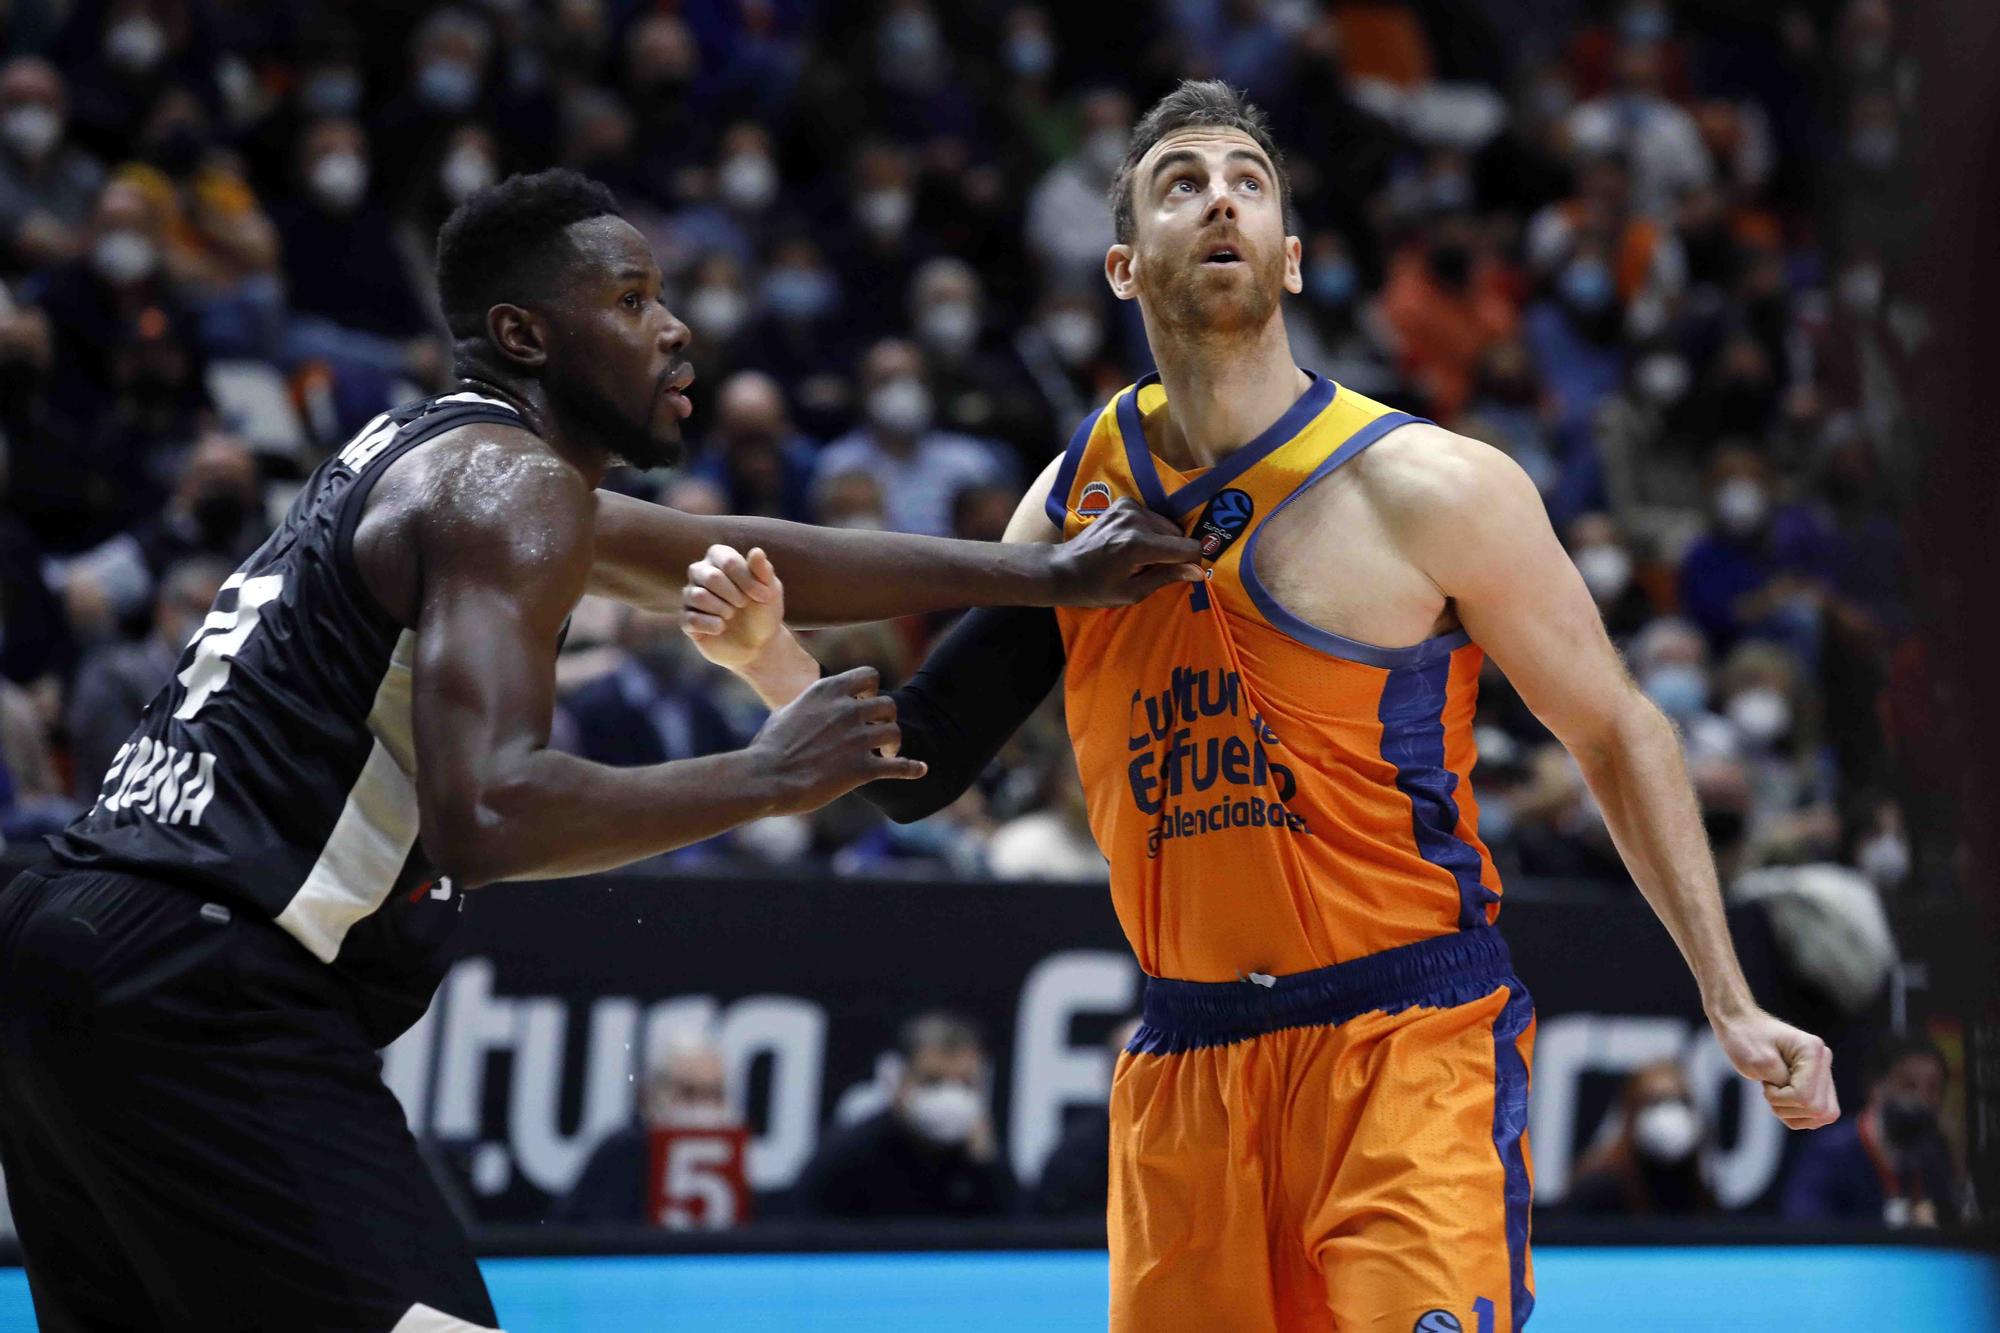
[
  {"x": 837, "y": 735},
  {"x": 733, "y": 605},
  {"x": 1795, "y": 1067}
]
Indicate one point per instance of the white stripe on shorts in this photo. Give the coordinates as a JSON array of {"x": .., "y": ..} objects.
[{"x": 420, "y": 1318}]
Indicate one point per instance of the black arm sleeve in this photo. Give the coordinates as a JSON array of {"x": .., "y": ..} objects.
[{"x": 982, "y": 680}]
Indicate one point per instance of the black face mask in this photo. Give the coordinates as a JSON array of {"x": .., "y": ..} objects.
[
  {"x": 1906, "y": 1124},
  {"x": 1724, "y": 828},
  {"x": 1453, "y": 265},
  {"x": 220, "y": 515},
  {"x": 177, "y": 152}
]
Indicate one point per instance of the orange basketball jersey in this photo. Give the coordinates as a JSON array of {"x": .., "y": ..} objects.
[{"x": 1272, "y": 797}]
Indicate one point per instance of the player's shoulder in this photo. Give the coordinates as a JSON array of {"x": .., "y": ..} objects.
[{"x": 1423, "y": 471}]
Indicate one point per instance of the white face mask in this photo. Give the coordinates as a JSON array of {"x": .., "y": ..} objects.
[
  {"x": 339, "y": 180},
  {"x": 1663, "y": 377},
  {"x": 137, "y": 43},
  {"x": 1741, "y": 504},
  {"x": 1666, "y": 1131},
  {"x": 1679, "y": 688},
  {"x": 1075, "y": 335},
  {"x": 693, "y": 1115},
  {"x": 748, "y": 182},
  {"x": 1885, "y": 859},
  {"x": 124, "y": 257},
  {"x": 901, "y": 407},
  {"x": 466, "y": 171},
  {"x": 32, "y": 130},
  {"x": 950, "y": 326},
  {"x": 1606, "y": 570},
  {"x": 717, "y": 313},
  {"x": 944, "y": 1113},
  {"x": 885, "y": 212},
  {"x": 1762, "y": 714}
]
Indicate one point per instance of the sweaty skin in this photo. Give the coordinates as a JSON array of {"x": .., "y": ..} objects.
[
  {"x": 483, "y": 540},
  {"x": 1430, "y": 531}
]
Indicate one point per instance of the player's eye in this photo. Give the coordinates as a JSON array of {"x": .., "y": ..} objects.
[
  {"x": 631, "y": 300},
  {"x": 1183, "y": 181},
  {"x": 1253, "y": 183}
]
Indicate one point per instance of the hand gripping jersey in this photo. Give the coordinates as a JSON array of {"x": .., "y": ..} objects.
[
  {"x": 275, "y": 770},
  {"x": 1272, "y": 797}
]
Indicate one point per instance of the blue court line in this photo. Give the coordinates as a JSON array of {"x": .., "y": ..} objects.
[{"x": 1580, "y": 1290}]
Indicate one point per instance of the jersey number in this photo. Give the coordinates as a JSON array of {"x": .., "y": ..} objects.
[{"x": 222, "y": 636}]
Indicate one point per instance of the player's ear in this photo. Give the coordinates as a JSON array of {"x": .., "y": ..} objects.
[
  {"x": 517, "y": 333},
  {"x": 1294, "y": 274},
  {"x": 1118, "y": 272}
]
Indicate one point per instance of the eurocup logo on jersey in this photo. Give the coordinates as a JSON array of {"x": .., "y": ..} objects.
[
  {"x": 1223, "y": 522},
  {"x": 1096, "y": 498}
]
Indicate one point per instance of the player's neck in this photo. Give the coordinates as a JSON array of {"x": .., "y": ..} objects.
[
  {"x": 527, "y": 398},
  {"x": 1223, "y": 392}
]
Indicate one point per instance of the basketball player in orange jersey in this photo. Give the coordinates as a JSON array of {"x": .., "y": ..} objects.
[{"x": 1320, "y": 1122}]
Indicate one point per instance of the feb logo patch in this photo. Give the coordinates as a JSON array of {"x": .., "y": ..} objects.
[
  {"x": 1437, "y": 1321},
  {"x": 1221, "y": 524},
  {"x": 1096, "y": 498}
]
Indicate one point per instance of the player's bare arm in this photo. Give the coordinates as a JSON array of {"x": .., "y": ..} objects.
[
  {"x": 974, "y": 690},
  {"x": 836, "y": 576},
  {"x": 502, "y": 551},
  {"x": 1471, "y": 522}
]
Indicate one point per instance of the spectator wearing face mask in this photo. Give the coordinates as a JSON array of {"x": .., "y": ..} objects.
[
  {"x": 447, "y": 79},
  {"x": 761, "y": 464},
  {"x": 878, "y": 243},
  {"x": 1771, "y": 708},
  {"x": 121, "y": 55},
  {"x": 1069, "y": 213},
  {"x": 980, "y": 384},
  {"x": 735, "y": 218},
  {"x": 1509, "y": 411},
  {"x": 118, "y": 680},
  {"x": 1652, "y": 1167},
  {"x": 798, "y": 335},
  {"x": 1575, "y": 333},
  {"x": 1758, "y": 571},
  {"x": 1669, "y": 660},
  {"x": 919, "y": 467},
  {"x": 48, "y": 186},
  {"x": 1064, "y": 351},
  {"x": 686, "y": 1088},
  {"x": 102, "y": 303},
  {"x": 342, "y": 264},
  {"x": 1891, "y": 1162},
  {"x": 1340, "y": 321},
  {"x": 933, "y": 1152},
  {"x": 1605, "y": 562},
  {"x": 216, "y": 511}
]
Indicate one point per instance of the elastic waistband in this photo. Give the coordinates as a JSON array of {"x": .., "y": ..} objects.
[{"x": 1439, "y": 972}]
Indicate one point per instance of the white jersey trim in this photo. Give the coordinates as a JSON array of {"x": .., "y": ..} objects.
[
  {"x": 371, "y": 840},
  {"x": 420, "y": 1318}
]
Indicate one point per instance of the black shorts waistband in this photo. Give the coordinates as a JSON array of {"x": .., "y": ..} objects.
[{"x": 1439, "y": 972}]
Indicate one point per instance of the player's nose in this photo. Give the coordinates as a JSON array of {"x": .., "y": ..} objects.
[
  {"x": 1221, "y": 204},
  {"x": 674, "y": 335}
]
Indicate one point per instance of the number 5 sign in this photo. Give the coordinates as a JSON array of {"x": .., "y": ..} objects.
[{"x": 697, "y": 1181}]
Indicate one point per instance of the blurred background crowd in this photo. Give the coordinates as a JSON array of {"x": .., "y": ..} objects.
[{"x": 1649, "y": 248}]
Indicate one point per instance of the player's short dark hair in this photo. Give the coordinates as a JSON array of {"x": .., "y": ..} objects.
[
  {"x": 497, "y": 245},
  {"x": 938, "y": 1030},
  {"x": 1207, "y": 104}
]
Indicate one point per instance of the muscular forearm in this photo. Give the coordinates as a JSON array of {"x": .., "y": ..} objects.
[
  {"x": 1637, "y": 775},
  {"x": 549, "y": 814}
]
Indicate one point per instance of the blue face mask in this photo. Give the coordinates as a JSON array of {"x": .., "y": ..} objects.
[
  {"x": 1645, "y": 25},
  {"x": 1586, "y": 286},
  {"x": 1679, "y": 689},
  {"x": 332, "y": 92},
  {"x": 1030, "y": 55},
  {"x": 798, "y": 293},
  {"x": 1334, "y": 283},
  {"x": 448, "y": 85}
]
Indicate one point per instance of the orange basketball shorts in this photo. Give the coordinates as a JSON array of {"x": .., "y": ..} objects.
[{"x": 1339, "y": 1149}]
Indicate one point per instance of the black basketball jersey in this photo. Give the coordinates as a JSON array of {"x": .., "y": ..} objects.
[{"x": 275, "y": 771}]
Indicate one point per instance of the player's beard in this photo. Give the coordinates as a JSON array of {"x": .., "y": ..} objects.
[
  {"x": 612, "y": 427},
  {"x": 1194, "y": 302}
]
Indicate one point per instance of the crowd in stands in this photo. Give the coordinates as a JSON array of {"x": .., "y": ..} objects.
[{"x": 1641, "y": 247}]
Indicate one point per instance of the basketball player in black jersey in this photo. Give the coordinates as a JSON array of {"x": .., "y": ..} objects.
[{"x": 193, "y": 988}]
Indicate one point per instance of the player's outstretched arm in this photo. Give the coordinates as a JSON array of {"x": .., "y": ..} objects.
[
  {"x": 505, "y": 548},
  {"x": 1471, "y": 519},
  {"x": 979, "y": 684},
  {"x": 839, "y": 576}
]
